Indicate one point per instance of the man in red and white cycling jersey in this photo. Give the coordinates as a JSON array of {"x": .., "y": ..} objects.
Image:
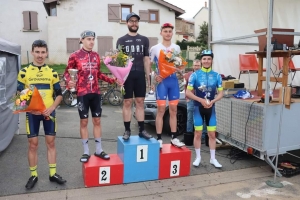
[{"x": 87, "y": 62}]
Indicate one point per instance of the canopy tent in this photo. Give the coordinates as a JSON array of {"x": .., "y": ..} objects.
[
  {"x": 232, "y": 24},
  {"x": 9, "y": 68}
]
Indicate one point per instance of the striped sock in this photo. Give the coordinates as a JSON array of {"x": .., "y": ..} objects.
[
  {"x": 52, "y": 168},
  {"x": 33, "y": 171}
]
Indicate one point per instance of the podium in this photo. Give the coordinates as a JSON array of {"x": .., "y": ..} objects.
[
  {"x": 174, "y": 162},
  {"x": 140, "y": 158},
  {"x": 99, "y": 172}
]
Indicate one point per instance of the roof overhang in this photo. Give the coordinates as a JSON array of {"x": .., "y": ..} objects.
[{"x": 178, "y": 11}]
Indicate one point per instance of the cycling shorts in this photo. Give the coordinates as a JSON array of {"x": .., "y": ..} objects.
[
  {"x": 135, "y": 84},
  {"x": 89, "y": 101},
  {"x": 209, "y": 115},
  {"x": 169, "y": 87},
  {"x": 33, "y": 125}
]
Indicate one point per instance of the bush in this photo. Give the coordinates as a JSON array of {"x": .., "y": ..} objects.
[{"x": 183, "y": 45}]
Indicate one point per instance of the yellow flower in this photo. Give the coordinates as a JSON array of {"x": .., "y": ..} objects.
[
  {"x": 22, "y": 97},
  {"x": 29, "y": 92}
]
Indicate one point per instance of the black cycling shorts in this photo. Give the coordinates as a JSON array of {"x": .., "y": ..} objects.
[
  {"x": 33, "y": 125},
  {"x": 87, "y": 101},
  {"x": 135, "y": 84}
]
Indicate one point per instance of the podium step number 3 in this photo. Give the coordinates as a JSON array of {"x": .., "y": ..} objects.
[
  {"x": 175, "y": 168},
  {"x": 104, "y": 175},
  {"x": 142, "y": 153}
]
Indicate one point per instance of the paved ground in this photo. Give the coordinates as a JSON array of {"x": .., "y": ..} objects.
[{"x": 15, "y": 173}]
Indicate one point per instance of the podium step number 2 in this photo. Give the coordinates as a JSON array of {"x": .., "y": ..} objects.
[
  {"x": 175, "y": 168},
  {"x": 142, "y": 153},
  {"x": 104, "y": 175}
]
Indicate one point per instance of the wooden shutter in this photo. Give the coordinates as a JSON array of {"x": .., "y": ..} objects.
[
  {"x": 144, "y": 15},
  {"x": 34, "y": 20},
  {"x": 26, "y": 20},
  {"x": 105, "y": 43},
  {"x": 152, "y": 41},
  {"x": 72, "y": 44},
  {"x": 114, "y": 13}
]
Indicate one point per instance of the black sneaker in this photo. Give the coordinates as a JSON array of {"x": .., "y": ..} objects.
[
  {"x": 31, "y": 182},
  {"x": 145, "y": 135},
  {"x": 126, "y": 135},
  {"x": 57, "y": 178}
]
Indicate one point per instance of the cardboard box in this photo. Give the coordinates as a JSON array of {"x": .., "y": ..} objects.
[{"x": 228, "y": 84}]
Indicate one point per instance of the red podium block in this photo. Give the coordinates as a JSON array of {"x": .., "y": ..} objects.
[
  {"x": 174, "y": 162},
  {"x": 99, "y": 172}
]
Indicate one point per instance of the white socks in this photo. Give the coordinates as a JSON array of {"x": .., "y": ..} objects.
[{"x": 212, "y": 154}]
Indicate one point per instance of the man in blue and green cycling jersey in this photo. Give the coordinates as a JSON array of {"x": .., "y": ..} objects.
[{"x": 206, "y": 83}]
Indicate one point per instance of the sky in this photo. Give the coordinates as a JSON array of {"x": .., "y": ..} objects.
[{"x": 191, "y": 7}]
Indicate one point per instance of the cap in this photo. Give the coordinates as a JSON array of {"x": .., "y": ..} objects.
[
  {"x": 167, "y": 25},
  {"x": 85, "y": 34},
  {"x": 132, "y": 15}
]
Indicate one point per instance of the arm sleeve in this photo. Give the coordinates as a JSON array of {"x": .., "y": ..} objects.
[
  {"x": 55, "y": 83},
  {"x": 21, "y": 79},
  {"x": 146, "y": 50},
  {"x": 103, "y": 77},
  {"x": 191, "y": 82},
  {"x": 219, "y": 82},
  {"x": 71, "y": 65}
]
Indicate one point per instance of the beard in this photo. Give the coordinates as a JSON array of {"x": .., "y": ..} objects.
[{"x": 133, "y": 30}]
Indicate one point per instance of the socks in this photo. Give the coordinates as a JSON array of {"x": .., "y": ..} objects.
[
  {"x": 127, "y": 126},
  {"x": 33, "y": 171},
  {"x": 141, "y": 126},
  {"x": 197, "y": 153},
  {"x": 212, "y": 154},
  {"x": 98, "y": 145},
  {"x": 85, "y": 146},
  {"x": 174, "y": 135},
  {"x": 52, "y": 168},
  {"x": 159, "y": 136}
]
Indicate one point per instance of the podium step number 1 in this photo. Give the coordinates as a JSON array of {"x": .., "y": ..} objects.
[
  {"x": 175, "y": 168},
  {"x": 142, "y": 153},
  {"x": 104, "y": 175}
]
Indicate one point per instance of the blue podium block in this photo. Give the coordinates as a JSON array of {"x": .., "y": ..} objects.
[{"x": 140, "y": 158}]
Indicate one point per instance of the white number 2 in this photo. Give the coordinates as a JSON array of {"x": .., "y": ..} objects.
[
  {"x": 104, "y": 175},
  {"x": 175, "y": 167},
  {"x": 142, "y": 153}
]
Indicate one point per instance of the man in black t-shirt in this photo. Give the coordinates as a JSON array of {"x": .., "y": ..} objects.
[{"x": 138, "y": 46}]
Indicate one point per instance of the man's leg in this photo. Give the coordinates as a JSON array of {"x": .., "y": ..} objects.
[
  {"x": 83, "y": 111},
  {"x": 97, "y": 135},
  {"x": 126, "y": 111},
  {"x": 161, "y": 107},
  {"x": 32, "y": 128}
]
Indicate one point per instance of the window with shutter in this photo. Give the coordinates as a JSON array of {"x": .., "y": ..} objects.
[
  {"x": 125, "y": 10},
  {"x": 114, "y": 13},
  {"x": 105, "y": 44},
  {"x": 153, "y": 16},
  {"x": 144, "y": 15},
  {"x": 72, "y": 44},
  {"x": 30, "y": 21}
]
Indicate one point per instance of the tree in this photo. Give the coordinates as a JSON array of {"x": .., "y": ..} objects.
[
  {"x": 203, "y": 38},
  {"x": 203, "y": 35}
]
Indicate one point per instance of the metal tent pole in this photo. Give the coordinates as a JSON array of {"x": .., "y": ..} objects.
[
  {"x": 209, "y": 25},
  {"x": 271, "y": 183}
]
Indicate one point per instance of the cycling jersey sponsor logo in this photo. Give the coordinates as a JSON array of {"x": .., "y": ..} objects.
[
  {"x": 128, "y": 41},
  {"x": 39, "y": 79},
  {"x": 138, "y": 40},
  {"x": 39, "y": 74}
]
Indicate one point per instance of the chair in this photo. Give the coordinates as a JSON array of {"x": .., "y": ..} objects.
[
  {"x": 291, "y": 66},
  {"x": 248, "y": 64}
]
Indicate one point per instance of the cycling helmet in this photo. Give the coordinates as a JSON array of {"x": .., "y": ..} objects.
[{"x": 207, "y": 52}]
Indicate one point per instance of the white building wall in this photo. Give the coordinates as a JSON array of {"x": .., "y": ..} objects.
[
  {"x": 201, "y": 17},
  {"x": 11, "y": 24},
  {"x": 75, "y": 16}
]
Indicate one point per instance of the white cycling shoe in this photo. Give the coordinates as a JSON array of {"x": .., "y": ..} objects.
[
  {"x": 215, "y": 163},
  {"x": 177, "y": 143}
]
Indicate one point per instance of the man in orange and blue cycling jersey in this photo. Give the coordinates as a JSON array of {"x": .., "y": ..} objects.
[{"x": 167, "y": 88}]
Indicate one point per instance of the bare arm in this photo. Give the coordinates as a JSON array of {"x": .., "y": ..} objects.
[
  {"x": 147, "y": 65},
  {"x": 190, "y": 95}
]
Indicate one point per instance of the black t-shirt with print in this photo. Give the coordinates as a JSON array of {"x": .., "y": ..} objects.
[{"x": 138, "y": 47}]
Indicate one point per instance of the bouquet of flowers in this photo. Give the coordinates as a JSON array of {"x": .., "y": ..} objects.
[
  {"x": 170, "y": 62},
  {"x": 119, "y": 65},
  {"x": 28, "y": 100}
]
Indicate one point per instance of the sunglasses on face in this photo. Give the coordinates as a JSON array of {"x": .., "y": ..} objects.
[
  {"x": 88, "y": 34},
  {"x": 39, "y": 43}
]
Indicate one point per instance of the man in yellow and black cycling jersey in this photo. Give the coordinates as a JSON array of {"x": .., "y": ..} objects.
[{"x": 46, "y": 80}]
